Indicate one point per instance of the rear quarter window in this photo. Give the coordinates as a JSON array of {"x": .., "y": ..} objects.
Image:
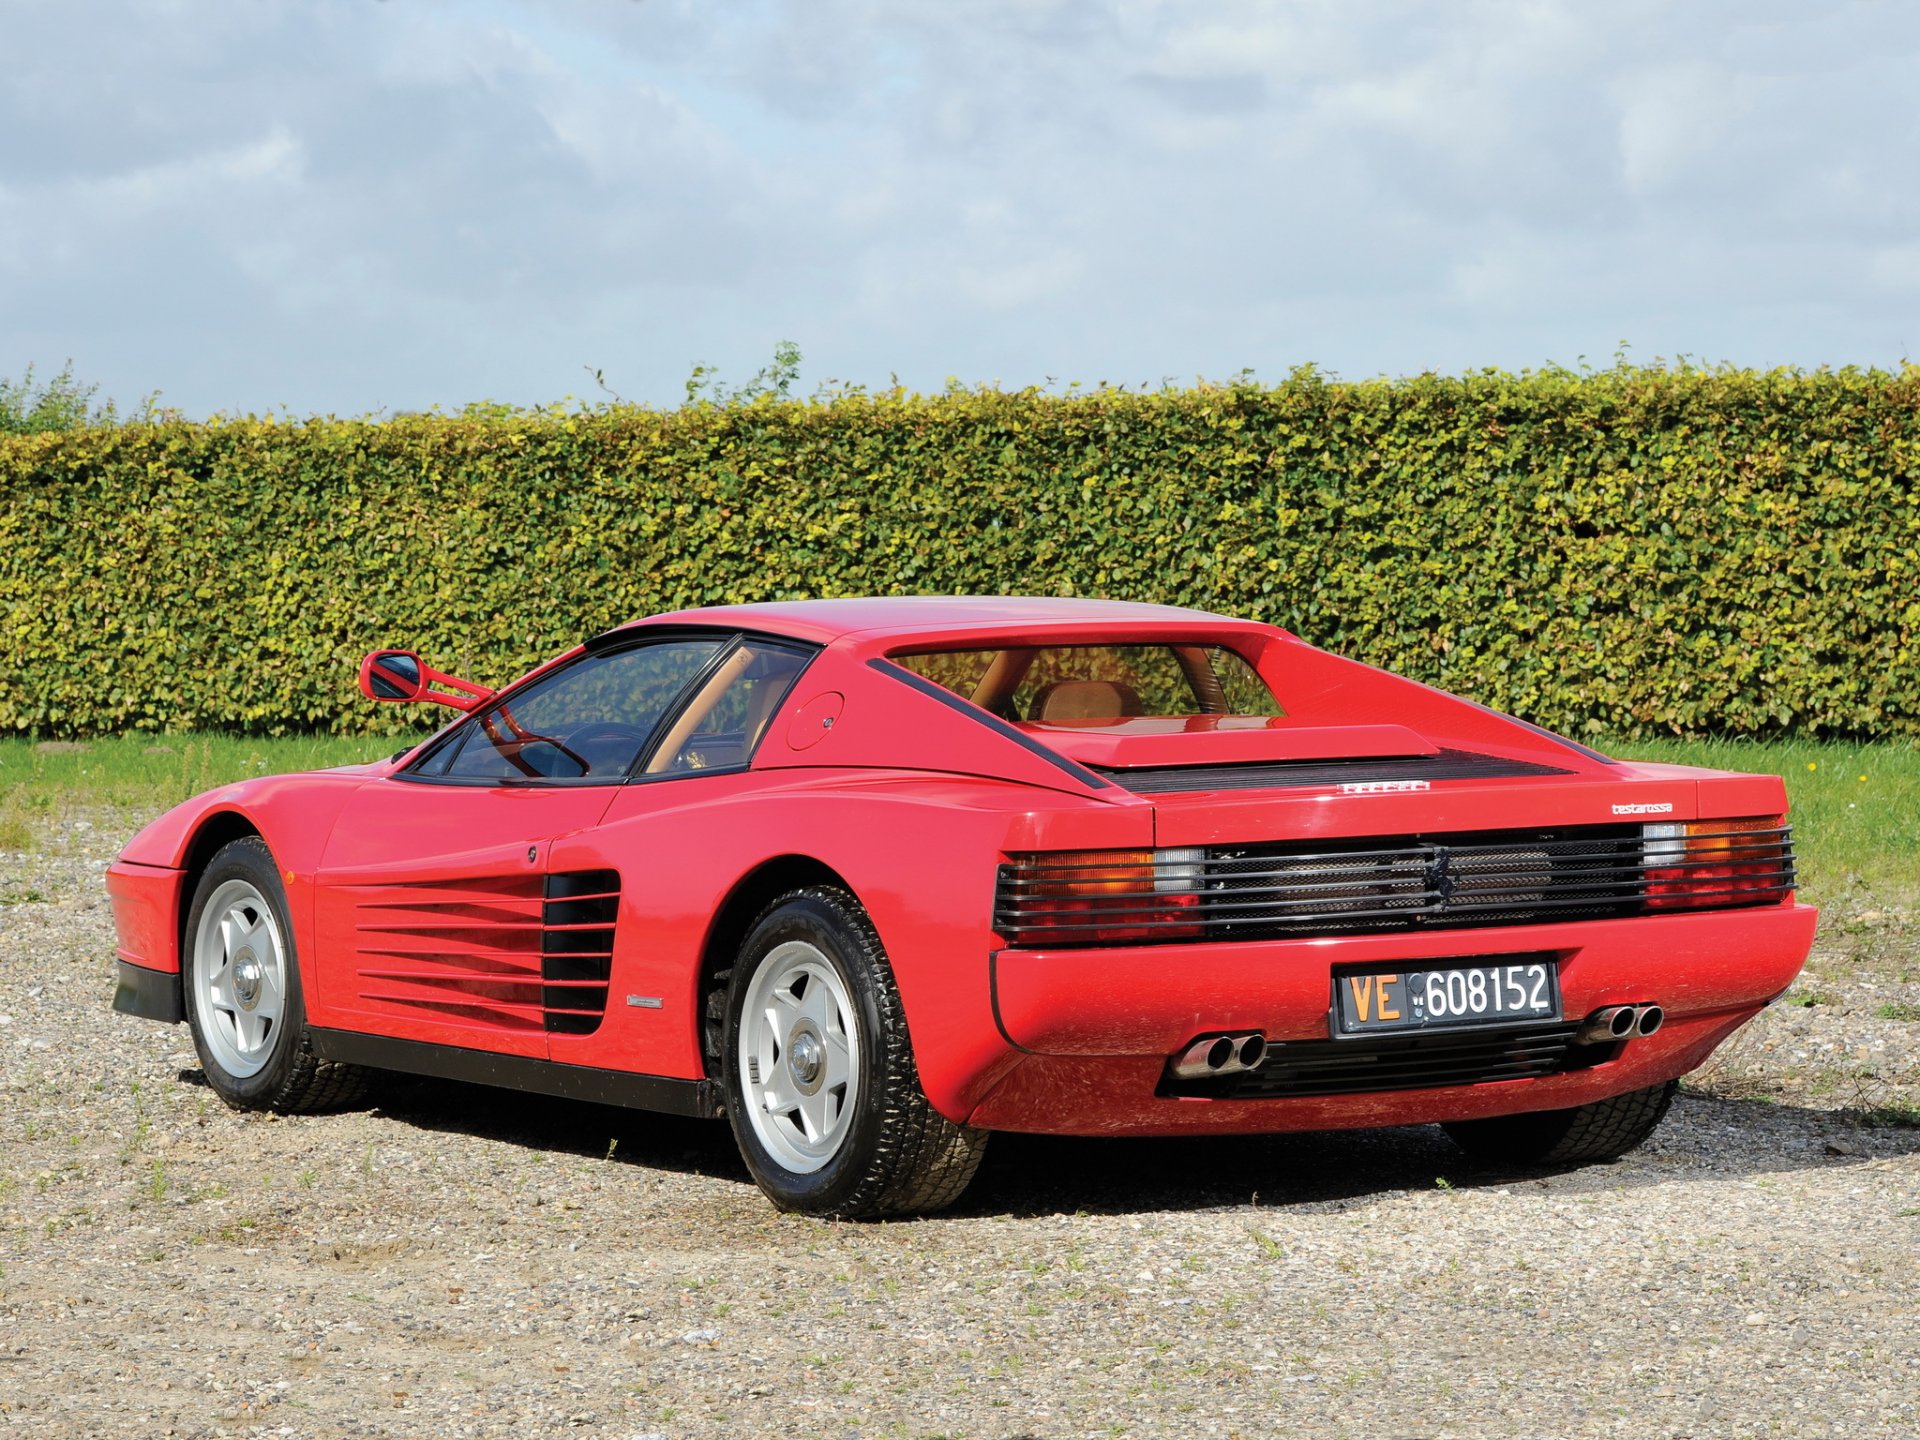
[{"x": 1062, "y": 684}]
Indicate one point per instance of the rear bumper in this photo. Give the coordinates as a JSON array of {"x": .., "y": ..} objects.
[
  {"x": 1097, "y": 1026},
  {"x": 1151, "y": 999},
  {"x": 1058, "y": 1095}
]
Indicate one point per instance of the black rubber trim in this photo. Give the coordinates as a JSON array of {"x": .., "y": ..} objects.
[
  {"x": 699, "y": 1099},
  {"x": 993, "y": 995},
  {"x": 150, "y": 994},
  {"x": 623, "y": 636},
  {"x": 993, "y": 722}
]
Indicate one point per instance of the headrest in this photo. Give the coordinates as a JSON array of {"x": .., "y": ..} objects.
[{"x": 1086, "y": 700}]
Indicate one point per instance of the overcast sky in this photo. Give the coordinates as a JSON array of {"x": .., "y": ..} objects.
[{"x": 359, "y": 205}]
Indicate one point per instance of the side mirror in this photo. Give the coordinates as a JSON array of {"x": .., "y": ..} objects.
[{"x": 401, "y": 676}]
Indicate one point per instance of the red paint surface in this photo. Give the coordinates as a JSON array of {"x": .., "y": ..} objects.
[{"x": 912, "y": 803}]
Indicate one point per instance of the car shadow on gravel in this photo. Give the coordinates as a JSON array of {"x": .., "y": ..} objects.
[
  {"x": 570, "y": 1127},
  {"x": 1704, "y": 1137}
]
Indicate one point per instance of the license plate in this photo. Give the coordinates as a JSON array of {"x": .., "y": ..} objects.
[{"x": 1451, "y": 997}]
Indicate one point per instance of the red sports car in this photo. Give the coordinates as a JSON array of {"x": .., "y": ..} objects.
[{"x": 875, "y": 878}]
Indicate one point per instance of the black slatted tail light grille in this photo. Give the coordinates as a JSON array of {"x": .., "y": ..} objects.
[
  {"x": 1257, "y": 892},
  {"x": 576, "y": 948}
]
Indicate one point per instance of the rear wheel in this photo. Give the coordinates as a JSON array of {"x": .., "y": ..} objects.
[
  {"x": 822, "y": 1090},
  {"x": 242, "y": 991},
  {"x": 1604, "y": 1130}
]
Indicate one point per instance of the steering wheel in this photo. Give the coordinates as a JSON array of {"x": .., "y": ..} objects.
[
  {"x": 518, "y": 735},
  {"x": 610, "y": 730}
]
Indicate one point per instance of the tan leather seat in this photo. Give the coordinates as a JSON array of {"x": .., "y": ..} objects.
[
  {"x": 1085, "y": 700},
  {"x": 761, "y": 704}
]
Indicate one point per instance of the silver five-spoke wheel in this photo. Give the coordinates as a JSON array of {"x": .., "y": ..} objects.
[
  {"x": 240, "y": 977},
  {"x": 799, "y": 1057}
]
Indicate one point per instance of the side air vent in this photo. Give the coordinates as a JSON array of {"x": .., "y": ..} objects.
[
  {"x": 1293, "y": 774},
  {"x": 508, "y": 952},
  {"x": 576, "y": 949}
]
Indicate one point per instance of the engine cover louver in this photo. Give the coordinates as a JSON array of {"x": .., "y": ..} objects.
[
  {"x": 515, "y": 951},
  {"x": 1293, "y": 774}
]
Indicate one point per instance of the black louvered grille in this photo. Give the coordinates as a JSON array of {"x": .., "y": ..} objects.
[
  {"x": 1420, "y": 1062},
  {"x": 576, "y": 949},
  {"x": 1330, "y": 888},
  {"x": 1287, "y": 774}
]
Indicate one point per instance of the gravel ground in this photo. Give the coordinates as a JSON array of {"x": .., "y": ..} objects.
[{"x": 463, "y": 1262}]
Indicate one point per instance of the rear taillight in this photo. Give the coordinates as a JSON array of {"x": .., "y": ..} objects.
[
  {"x": 1704, "y": 864},
  {"x": 1088, "y": 897}
]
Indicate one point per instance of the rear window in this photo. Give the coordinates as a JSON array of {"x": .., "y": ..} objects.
[{"x": 1068, "y": 684}]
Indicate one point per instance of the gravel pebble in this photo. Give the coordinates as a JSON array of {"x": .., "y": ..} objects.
[{"x": 456, "y": 1262}]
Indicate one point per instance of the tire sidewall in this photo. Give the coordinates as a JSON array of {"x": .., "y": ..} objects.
[
  {"x": 251, "y": 861},
  {"x": 827, "y": 928}
]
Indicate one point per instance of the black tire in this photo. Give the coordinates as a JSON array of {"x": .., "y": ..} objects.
[
  {"x": 1604, "y": 1130},
  {"x": 896, "y": 1154},
  {"x": 289, "y": 1077}
]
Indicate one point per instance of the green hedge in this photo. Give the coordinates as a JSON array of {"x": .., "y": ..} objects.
[{"x": 1629, "y": 551}]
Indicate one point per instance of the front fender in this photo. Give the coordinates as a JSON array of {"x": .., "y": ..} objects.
[{"x": 151, "y": 884}]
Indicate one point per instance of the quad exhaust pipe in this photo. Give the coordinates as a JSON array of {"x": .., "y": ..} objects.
[
  {"x": 1220, "y": 1055},
  {"x": 1616, "y": 1024}
]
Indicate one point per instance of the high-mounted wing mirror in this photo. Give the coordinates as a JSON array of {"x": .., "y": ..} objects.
[{"x": 401, "y": 676}]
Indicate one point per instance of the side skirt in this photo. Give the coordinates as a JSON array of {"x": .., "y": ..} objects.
[{"x": 699, "y": 1099}]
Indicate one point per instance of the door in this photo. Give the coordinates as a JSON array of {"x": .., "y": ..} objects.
[{"x": 438, "y": 916}]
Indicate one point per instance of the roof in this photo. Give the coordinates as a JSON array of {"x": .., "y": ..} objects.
[{"x": 829, "y": 620}]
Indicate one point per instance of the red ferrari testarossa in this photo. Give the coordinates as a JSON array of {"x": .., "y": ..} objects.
[{"x": 875, "y": 878}]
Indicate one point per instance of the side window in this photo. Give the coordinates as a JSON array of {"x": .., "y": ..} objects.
[
  {"x": 1240, "y": 684},
  {"x": 723, "y": 723},
  {"x": 588, "y": 722}
]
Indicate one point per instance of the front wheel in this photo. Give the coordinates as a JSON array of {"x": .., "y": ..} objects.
[
  {"x": 242, "y": 991},
  {"x": 1603, "y": 1130},
  {"x": 822, "y": 1090}
]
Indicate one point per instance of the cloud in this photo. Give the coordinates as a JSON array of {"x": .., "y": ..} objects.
[{"x": 349, "y": 206}]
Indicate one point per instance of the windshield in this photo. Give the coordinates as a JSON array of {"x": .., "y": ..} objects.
[{"x": 1097, "y": 684}]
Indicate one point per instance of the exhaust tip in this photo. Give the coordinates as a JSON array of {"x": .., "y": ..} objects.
[
  {"x": 1650, "y": 1019},
  {"x": 1215, "y": 1055},
  {"x": 1204, "y": 1058},
  {"x": 1609, "y": 1025}
]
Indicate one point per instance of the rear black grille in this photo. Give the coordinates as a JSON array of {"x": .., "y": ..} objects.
[
  {"x": 1447, "y": 765},
  {"x": 1453, "y": 881},
  {"x": 576, "y": 949},
  {"x": 1342, "y": 887},
  {"x": 1413, "y": 1062}
]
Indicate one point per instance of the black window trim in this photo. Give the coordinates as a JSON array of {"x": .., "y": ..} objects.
[
  {"x": 933, "y": 690},
  {"x": 600, "y": 646}
]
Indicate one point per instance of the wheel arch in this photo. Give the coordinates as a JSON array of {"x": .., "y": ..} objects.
[
  {"x": 751, "y": 894},
  {"x": 212, "y": 835}
]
